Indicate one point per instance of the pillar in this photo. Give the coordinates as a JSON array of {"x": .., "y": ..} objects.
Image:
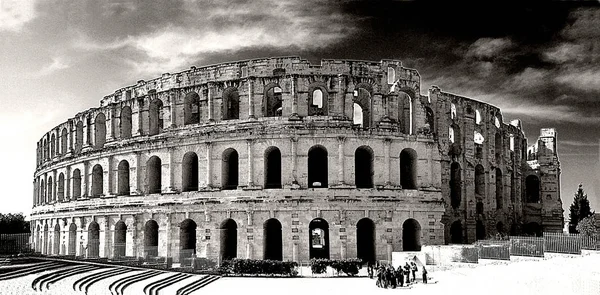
[
  {"x": 250, "y": 98},
  {"x": 110, "y": 127},
  {"x": 294, "y": 97},
  {"x": 108, "y": 184},
  {"x": 250, "y": 163},
  {"x": 249, "y": 251},
  {"x": 341, "y": 96},
  {"x": 168, "y": 233},
  {"x": 172, "y": 99},
  {"x": 343, "y": 250},
  {"x": 138, "y": 174},
  {"x": 294, "y": 159},
  {"x": 84, "y": 183},
  {"x": 208, "y": 165},
  {"x": 107, "y": 238},
  {"x": 68, "y": 191},
  {"x": 341, "y": 158},
  {"x": 170, "y": 175},
  {"x": 53, "y": 198},
  {"x": 389, "y": 251},
  {"x": 386, "y": 152},
  {"x": 210, "y": 103},
  {"x": 295, "y": 257}
]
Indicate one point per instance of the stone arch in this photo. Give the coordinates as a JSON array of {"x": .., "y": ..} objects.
[
  {"x": 63, "y": 141},
  {"x": 52, "y": 146},
  {"x": 45, "y": 152},
  {"x": 123, "y": 178},
  {"x": 99, "y": 131},
  {"x": 97, "y": 181},
  {"x": 532, "y": 189},
  {"x": 411, "y": 235},
  {"x": 50, "y": 184},
  {"x": 78, "y": 136},
  {"x": 455, "y": 185},
  {"x": 363, "y": 167},
  {"x": 125, "y": 123},
  {"x": 456, "y": 232},
  {"x": 46, "y": 243},
  {"x": 189, "y": 173},
  {"x": 155, "y": 117},
  {"x": 60, "y": 192},
  {"x": 365, "y": 240},
  {"x": 42, "y": 192},
  {"x": 120, "y": 238},
  {"x": 318, "y": 99},
  {"x": 151, "y": 238},
  {"x": 230, "y": 169},
  {"x": 191, "y": 108},
  {"x": 154, "y": 175},
  {"x": 479, "y": 208},
  {"x": 72, "y": 247},
  {"x": 93, "y": 250},
  {"x": 499, "y": 189},
  {"x": 317, "y": 167},
  {"x": 272, "y": 168},
  {"x": 406, "y": 112},
  {"x": 408, "y": 168},
  {"x": 228, "y": 239},
  {"x": 318, "y": 233},
  {"x": 362, "y": 103},
  {"x": 231, "y": 104},
  {"x": 272, "y": 101},
  {"x": 429, "y": 120},
  {"x": 76, "y": 183},
  {"x": 480, "y": 230},
  {"x": 479, "y": 180},
  {"x": 273, "y": 240},
  {"x": 187, "y": 240},
  {"x": 56, "y": 237}
]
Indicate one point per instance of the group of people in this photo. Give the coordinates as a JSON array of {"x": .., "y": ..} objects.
[{"x": 388, "y": 277}]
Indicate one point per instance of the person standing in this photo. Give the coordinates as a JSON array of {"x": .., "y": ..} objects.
[
  {"x": 414, "y": 270},
  {"x": 424, "y": 271},
  {"x": 407, "y": 273},
  {"x": 400, "y": 276}
]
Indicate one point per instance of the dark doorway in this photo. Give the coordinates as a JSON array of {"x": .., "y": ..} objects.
[
  {"x": 153, "y": 175},
  {"x": 189, "y": 172},
  {"x": 230, "y": 169},
  {"x": 151, "y": 239},
  {"x": 272, "y": 245},
  {"x": 272, "y": 168},
  {"x": 228, "y": 249},
  {"x": 533, "y": 229},
  {"x": 532, "y": 189},
  {"x": 317, "y": 167},
  {"x": 455, "y": 185},
  {"x": 365, "y": 240},
  {"x": 318, "y": 232},
  {"x": 97, "y": 181},
  {"x": 187, "y": 241},
  {"x": 72, "y": 239},
  {"x": 93, "y": 240},
  {"x": 120, "y": 239},
  {"x": 408, "y": 168},
  {"x": 456, "y": 232},
  {"x": 123, "y": 178},
  {"x": 363, "y": 165},
  {"x": 480, "y": 230},
  {"x": 411, "y": 235}
]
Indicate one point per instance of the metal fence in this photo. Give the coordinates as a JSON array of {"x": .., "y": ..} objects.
[
  {"x": 562, "y": 243},
  {"x": 494, "y": 249},
  {"x": 527, "y": 246},
  {"x": 15, "y": 243}
]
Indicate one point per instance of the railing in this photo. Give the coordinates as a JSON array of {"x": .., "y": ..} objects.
[
  {"x": 527, "y": 246},
  {"x": 494, "y": 249},
  {"x": 15, "y": 243}
]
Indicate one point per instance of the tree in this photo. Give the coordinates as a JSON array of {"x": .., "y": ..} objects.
[
  {"x": 587, "y": 226},
  {"x": 13, "y": 223},
  {"x": 579, "y": 210}
]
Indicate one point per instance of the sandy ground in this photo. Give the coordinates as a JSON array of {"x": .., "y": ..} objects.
[{"x": 559, "y": 275}]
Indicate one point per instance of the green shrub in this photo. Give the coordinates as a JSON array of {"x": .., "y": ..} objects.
[
  {"x": 319, "y": 265},
  {"x": 258, "y": 267},
  {"x": 348, "y": 266}
]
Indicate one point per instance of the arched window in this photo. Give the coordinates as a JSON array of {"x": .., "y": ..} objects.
[
  {"x": 46, "y": 150},
  {"x": 317, "y": 102},
  {"x": 498, "y": 146},
  {"x": 100, "y": 131},
  {"x": 357, "y": 115},
  {"x": 429, "y": 120},
  {"x": 477, "y": 117},
  {"x": 123, "y": 178},
  {"x": 230, "y": 169},
  {"x": 63, "y": 141},
  {"x": 72, "y": 239},
  {"x": 532, "y": 189},
  {"x": 479, "y": 208},
  {"x": 50, "y": 192},
  {"x": 125, "y": 126},
  {"x": 42, "y": 192},
  {"x": 272, "y": 103},
  {"x": 405, "y": 112},
  {"x": 391, "y": 75},
  {"x": 228, "y": 239},
  {"x": 317, "y": 167},
  {"x": 272, "y": 168},
  {"x": 455, "y": 185},
  {"x": 273, "y": 242},
  {"x": 153, "y": 175},
  {"x": 189, "y": 173},
  {"x": 499, "y": 188},
  {"x": 456, "y": 232},
  {"x": 479, "y": 180},
  {"x": 52, "y": 146},
  {"x": 120, "y": 239},
  {"x": 61, "y": 187},
  {"x": 362, "y": 98},
  {"x": 363, "y": 167},
  {"x": 187, "y": 241},
  {"x": 318, "y": 230},
  {"x": 76, "y": 184},
  {"x": 408, "y": 168},
  {"x": 151, "y": 239},
  {"x": 191, "y": 109},
  {"x": 411, "y": 235},
  {"x": 155, "y": 114},
  {"x": 231, "y": 104},
  {"x": 452, "y": 111},
  {"x": 480, "y": 230},
  {"x": 97, "y": 181},
  {"x": 365, "y": 240},
  {"x": 78, "y": 136},
  {"x": 93, "y": 246}
]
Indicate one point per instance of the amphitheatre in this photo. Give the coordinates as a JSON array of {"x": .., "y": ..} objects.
[{"x": 281, "y": 159}]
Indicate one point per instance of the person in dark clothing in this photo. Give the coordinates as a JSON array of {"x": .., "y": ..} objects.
[
  {"x": 379, "y": 282},
  {"x": 414, "y": 271},
  {"x": 370, "y": 270},
  {"x": 407, "y": 272},
  {"x": 400, "y": 276},
  {"x": 424, "y": 271},
  {"x": 392, "y": 277}
]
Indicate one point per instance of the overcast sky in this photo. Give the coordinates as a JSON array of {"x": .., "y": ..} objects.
[{"x": 538, "y": 62}]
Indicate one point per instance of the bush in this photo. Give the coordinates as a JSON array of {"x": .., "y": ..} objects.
[
  {"x": 318, "y": 265},
  {"x": 258, "y": 267},
  {"x": 348, "y": 266}
]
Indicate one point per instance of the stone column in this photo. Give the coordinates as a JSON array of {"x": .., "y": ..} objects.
[
  {"x": 294, "y": 159},
  {"x": 84, "y": 189},
  {"x": 139, "y": 119},
  {"x": 386, "y": 152},
  {"x": 208, "y": 165},
  {"x": 107, "y": 238},
  {"x": 341, "y": 159},
  {"x": 67, "y": 194},
  {"x": 389, "y": 250},
  {"x": 210, "y": 102},
  {"x": 168, "y": 233},
  {"x": 250, "y": 98},
  {"x": 70, "y": 137},
  {"x": 248, "y": 251},
  {"x": 341, "y": 95},
  {"x": 54, "y": 181},
  {"x": 138, "y": 174},
  {"x": 108, "y": 184},
  {"x": 110, "y": 128},
  {"x": 171, "y": 180},
  {"x": 294, "y": 115},
  {"x": 86, "y": 131},
  {"x": 295, "y": 257},
  {"x": 250, "y": 163},
  {"x": 343, "y": 250},
  {"x": 173, "y": 97}
]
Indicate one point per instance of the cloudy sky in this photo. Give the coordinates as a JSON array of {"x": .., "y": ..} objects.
[{"x": 538, "y": 62}]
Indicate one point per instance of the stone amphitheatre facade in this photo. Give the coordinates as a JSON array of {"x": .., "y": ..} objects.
[{"x": 280, "y": 159}]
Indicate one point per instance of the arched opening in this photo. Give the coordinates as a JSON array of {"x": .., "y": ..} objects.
[
  {"x": 363, "y": 167},
  {"x": 153, "y": 175},
  {"x": 272, "y": 245},
  {"x": 357, "y": 115},
  {"x": 362, "y": 103},
  {"x": 231, "y": 104},
  {"x": 60, "y": 192},
  {"x": 498, "y": 147},
  {"x": 230, "y": 169},
  {"x": 78, "y": 136},
  {"x": 479, "y": 180},
  {"x": 52, "y": 146},
  {"x": 63, "y": 141},
  {"x": 317, "y": 101},
  {"x": 155, "y": 117},
  {"x": 408, "y": 168},
  {"x": 318, "y": 231},
  {"x": 45, "y": 241},
  {"x": 97, "y": 181},
  {"x": 533, "y": 229},
  {"x": 365, "y": 240},
  {"x": 42, "y": 192},
  {"x": 72, "y": 239},
  {"x": 317, "y": 167},
  {"x": 50, "y": 192},
  {"x": 406, "y": 112},
  {"x": 479, "y": 208},
  {"x": 191, "y": 108},
  {"x": 499, "y": 189},
  {"x": 429, "y": 120},
  {"x": 45, "y": 150},
  {"x": 76, "y": 184},
  {"x": 480, "y": 230},
  {"x": 56, "y": 237},
  {"x": 228, "y": 239},
  {"x": 99, "y": 131},
  {"x": 189, "y": 173},
  {"x": 93, "y": 240},
  {"x": 272, "y": 168},
  {"x": 187, "y": 240},
  {"x": 411, "y": 235},
  {"x": 120, "y": 239},
  {"x": 456, "y": 232},
  {"x": 125, "y": 123},
  {"x": 532, "y": 189},
  {"x": 455, "y": 185},
  {"x": 151, "y": 239},
  {"x": 500, "y": 228},
  {"x": 272, "y": 104},
  {"x": 123, "y": 178},
  {"x": 513, "y": 186}
]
